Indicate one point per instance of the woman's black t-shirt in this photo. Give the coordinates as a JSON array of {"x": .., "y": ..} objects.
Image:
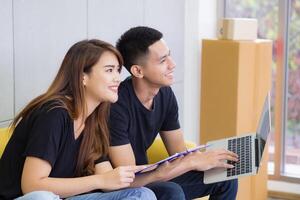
[{"x": 47, "y": 133}]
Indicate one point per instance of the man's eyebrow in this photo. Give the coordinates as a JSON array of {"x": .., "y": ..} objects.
[{"x": 166, "y": 55}]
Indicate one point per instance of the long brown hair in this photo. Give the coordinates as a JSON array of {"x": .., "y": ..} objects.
[{"x": 67, "y": 89}]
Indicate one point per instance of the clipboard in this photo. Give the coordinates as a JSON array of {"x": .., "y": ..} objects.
[{"x": 171, "y": 158}]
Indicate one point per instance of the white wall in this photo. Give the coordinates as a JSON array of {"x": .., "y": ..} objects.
[
  {"x": 6, "y": 62},
  {"x": 200, "y": 22},
  {"x": 35, "y": 36},
  {"x": 43, "y": 32}
]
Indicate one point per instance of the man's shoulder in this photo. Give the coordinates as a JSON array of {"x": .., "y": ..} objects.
[
  {"x": 166, "y": 92},
  {"x": 166, "y": 89},
  {"x": 124, "y": 97},
  {"x": 125, "y": 88}
]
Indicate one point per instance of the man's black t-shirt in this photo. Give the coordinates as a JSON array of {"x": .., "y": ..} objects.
[
  {"x": 130, "y": 122},
  {"x": 47, "y": 133}
]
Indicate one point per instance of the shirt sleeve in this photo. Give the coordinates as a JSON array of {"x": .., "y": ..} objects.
[
  {"x": 118, "y": 124},
  {"x": 46, "y": 135},
  {"x": 101, "y": 159},
  {"x": 171, "y": 121}
]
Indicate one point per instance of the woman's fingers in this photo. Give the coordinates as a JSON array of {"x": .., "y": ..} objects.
[{"x": 127, "y": 180}]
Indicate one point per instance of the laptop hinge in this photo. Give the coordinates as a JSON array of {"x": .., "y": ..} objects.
[{"x": 256, "y": 153}]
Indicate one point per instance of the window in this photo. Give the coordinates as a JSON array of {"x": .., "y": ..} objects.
[
  {"x": 277, "y": 23},
  {"x": 291, "y": 159}
]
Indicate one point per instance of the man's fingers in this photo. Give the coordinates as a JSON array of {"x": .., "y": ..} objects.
[
  {"x": 224, "y": 151},
  {"x": 225, "y": 165},
  {"x": 227, "y": 157}
]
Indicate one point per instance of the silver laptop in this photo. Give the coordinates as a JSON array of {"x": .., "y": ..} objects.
[{"x": 249, "y": 147}]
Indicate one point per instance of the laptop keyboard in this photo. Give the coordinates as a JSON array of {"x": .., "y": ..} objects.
[{"x": 243, "y": 147}]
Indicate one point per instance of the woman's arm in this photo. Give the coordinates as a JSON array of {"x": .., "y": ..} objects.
[
  {"x": 123, "y": 155},
  {"x": 36, "y": 177},
  {"x": 164, "y": 172},
  {"x": 104, "y": 168}
]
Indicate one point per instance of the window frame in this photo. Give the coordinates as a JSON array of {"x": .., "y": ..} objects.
[{"x": 281, "y": 89}]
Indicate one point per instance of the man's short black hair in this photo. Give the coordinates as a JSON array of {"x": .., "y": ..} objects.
[{"x": 134, "y": 43}]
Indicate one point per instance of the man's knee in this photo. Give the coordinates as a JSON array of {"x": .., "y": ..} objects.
[
  {"x": 167, "y": 190},
  {"x": 146, "y": 193},
  {"x": 231, "y": 185}
]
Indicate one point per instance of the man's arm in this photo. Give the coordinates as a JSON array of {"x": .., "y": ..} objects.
[
  {"x": 121, "y": 155},
  {"x": 173, "y": 141}
]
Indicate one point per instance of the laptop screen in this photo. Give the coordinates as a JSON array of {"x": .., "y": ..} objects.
[{"x": 264, "y": 127}]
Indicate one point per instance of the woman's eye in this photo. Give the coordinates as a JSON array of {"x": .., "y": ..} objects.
[
  {"x": 162, "y": 61},
  {"x": 109, "y": 70}
]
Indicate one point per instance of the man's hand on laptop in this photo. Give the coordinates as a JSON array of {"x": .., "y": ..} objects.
[{"x": 203, "y": 161}]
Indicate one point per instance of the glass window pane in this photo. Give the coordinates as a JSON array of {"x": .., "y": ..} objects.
[
  {"x": 266, "y": 12},
  {"x": 292, "y": 133}
]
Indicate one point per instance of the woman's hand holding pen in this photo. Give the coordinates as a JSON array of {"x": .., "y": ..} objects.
[
  {"x": 203, "y": 161},
  {"x": 120, "y": 177}
]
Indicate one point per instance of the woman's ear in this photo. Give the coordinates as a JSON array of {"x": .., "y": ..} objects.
[
  {"x": 137, "y": 71},
  {"x": 84, "y": 79}
]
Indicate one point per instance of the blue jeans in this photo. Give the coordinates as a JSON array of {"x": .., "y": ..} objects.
[
  {"x": 190, "y": 185},
  {"x": 43, "y": 195},
  {"x": 193, "y": 187},
  {"x": 125, "y": 194},
  {"x": 167, "y": 190}
]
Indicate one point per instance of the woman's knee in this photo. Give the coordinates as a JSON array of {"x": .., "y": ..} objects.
[{"x": 39, "y": 195}]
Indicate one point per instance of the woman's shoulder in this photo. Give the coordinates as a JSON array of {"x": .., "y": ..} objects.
[{"x": 52, "y": 109}]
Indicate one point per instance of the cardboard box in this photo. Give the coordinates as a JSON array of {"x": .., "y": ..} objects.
[
  {"x": 237, "y": 29},
  {"x": 235, "y": 78}
]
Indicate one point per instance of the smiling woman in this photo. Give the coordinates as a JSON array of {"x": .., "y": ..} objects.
[
  {"x": 60, "y": 141},
  {"x": 102, "y": 81}
]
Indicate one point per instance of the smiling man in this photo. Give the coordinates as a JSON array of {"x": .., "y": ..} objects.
[{"x": 147, "y": 107}]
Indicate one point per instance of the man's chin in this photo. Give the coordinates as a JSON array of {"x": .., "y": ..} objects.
[{"x": 169, "y": 83}]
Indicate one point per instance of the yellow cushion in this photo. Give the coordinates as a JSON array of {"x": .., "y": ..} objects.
[
  {"x": 4, "y": 137},
  {"x": 157, "y": 152}
]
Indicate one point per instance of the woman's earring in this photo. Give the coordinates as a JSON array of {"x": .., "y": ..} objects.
[{"x": 83, "y": 80}]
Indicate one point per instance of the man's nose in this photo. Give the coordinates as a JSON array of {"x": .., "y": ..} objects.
[{"x": 172, "y": 63}]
